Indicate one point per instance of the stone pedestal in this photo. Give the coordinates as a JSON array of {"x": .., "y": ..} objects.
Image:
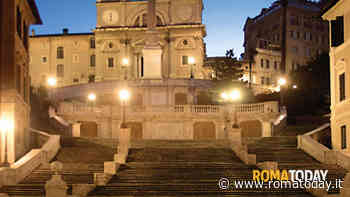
[
  {"x": 235, "y": 135},
  {"x": 152, "y": 62},
  {"x": 76, "y": 129},
  {"x": 7, "y": 176},
  {"x": 56, "y": 187},
  {"x": 111, "y": 167},
  {"x": 123, "y": 147}
]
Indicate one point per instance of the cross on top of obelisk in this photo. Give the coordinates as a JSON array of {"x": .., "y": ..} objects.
[{"x": 152, "y": 17}]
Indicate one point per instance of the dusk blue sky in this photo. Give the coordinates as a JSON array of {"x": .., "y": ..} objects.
[{"x": 224, "y": 20}]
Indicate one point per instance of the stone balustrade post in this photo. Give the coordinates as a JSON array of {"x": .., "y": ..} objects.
[
  {"x": 124, "y": 145},
  {"x": 76, "y": 129},
  {"x": 235, "y": 135},
  {"x": 56, "y": 187},
  {"x": 345, "y": 191}
]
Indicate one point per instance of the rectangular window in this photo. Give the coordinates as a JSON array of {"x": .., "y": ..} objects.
[
  {"x": 44, "y": 59},
  {"x": 75, "y": 80},
  {"x": 25, "y": 36},
  {"x": 268, "y": 81},
  {"x": 19, "y": 79},
  {"x": 342, "y": 87},
  {"x": 262, "y": 80},
  {"x": 343, "y": 137},
  {"x": 110, "y": 62},
  {"x": 267, "y": 64},
  {"x": 92, "y": 43},
  {"x": 262, "y": 63},
  {"x": 60, "y": 70},
  {"x": 184, "y": 60},
  {"x": 92, "y": 60},
  {"x": 276, "y": 65},
  {"x": 91, "y": 78},
  {"x": 19, "y": 22},
  {"x": 337, "y": 34},
  {"x": 60, "y": 52}
]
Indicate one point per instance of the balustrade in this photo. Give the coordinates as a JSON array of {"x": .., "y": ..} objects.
[{"x": 267, "y": 107}]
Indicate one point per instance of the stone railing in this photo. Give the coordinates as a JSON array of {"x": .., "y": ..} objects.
[
  {"x": 23, "y": 167},
  {"x": 267, "y": 107},
  {"x": 310, "y": 145}
]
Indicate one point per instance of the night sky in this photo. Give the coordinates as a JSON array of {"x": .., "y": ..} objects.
[{"x": 224, "y": 20}]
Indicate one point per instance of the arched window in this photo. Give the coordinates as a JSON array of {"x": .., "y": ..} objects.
[{"x": 141, "y": 21}]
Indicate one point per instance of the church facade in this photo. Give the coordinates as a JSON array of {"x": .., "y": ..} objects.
[{"x": 115, "y": 50}]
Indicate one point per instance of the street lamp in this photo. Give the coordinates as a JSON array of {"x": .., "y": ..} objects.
[
  {"x": 125, "y": 64},
  {"x": 191, "y": 61},
  {"x": 124, "y": 96},
  {"x": 282, "y": 82},
  {"x": 6, "y": 126},
  {"x": 52, "y": 83},
  {"x": 92, "y": 99},
  {"x": 233, "y": 96}
]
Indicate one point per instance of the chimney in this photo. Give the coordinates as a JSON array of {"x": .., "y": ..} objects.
[
  {"x": 65, "y": 31},
  {"x": 33, "y": 32}
]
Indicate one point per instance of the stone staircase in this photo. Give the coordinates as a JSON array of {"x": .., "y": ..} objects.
[
  {"x": 183, "y": 168},
  {"x": 171, "y": 168},
  {"x": 80, "y": 158},
  {"x": 284, "y": 151}
]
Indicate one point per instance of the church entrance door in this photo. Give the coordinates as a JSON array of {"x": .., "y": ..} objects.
[
  {"x": 251, "y": 128},
  {"x": 88, "y": 129},
  {"x": 204, "y": 131},
  {"x": 136, "y": 130}
]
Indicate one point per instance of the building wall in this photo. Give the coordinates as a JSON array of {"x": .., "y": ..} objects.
[
  {"x": 265, "y": 32},
  {"x": 121, "y": 33},
  {"x": 16, "y": 17},
  {"x": 340, "y": 65}
]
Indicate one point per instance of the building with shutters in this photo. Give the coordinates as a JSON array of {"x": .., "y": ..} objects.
[
  {"x": 305, "y": 32},
  {"x": 338, "y": 15}
]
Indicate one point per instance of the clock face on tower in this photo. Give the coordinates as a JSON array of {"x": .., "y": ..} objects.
[{"x": 110, "y": 17}]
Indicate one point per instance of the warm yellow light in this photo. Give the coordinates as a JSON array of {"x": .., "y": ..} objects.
[
  {"x": 282, "y": 81},
  {"x": 295, "y": 86},
  {"x": 51, "y": 81},
  {"x": 92, "y": 97},
  {"x": 6, "y": 125},
  {"x": 125, "y": 61},
  {"x": 278, "y": 89},
  {"x": 235, "y": 95},
  {"x": 124, "y": 95},
  {"x": 191, "y": 60},
  {"x": 224, "y": 96}
]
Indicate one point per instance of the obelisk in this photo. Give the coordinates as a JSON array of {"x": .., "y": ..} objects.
[{"x": 152, "y": 52}]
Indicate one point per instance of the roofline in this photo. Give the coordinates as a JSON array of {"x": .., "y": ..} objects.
[
  {"x": 329, "y": 7},
  {"x": 35, "y": 11},
  {"x": 57, "y": 35}
]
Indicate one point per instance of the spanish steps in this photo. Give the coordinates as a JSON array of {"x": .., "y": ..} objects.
[{"x": 170, "y": 168}]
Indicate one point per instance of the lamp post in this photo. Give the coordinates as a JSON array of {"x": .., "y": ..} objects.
[
  {"x": 52, "y": 83},
  {"x": 232, "y": 97},
  {"x": 282, "y": 82},
  {"x": 92, "y": 99},
  {"x": 125, "y": 64},
  {"x": 6, "y": 126},
  {"x": 192, "y": 62},
  {"x": 124, "y": 96}
]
